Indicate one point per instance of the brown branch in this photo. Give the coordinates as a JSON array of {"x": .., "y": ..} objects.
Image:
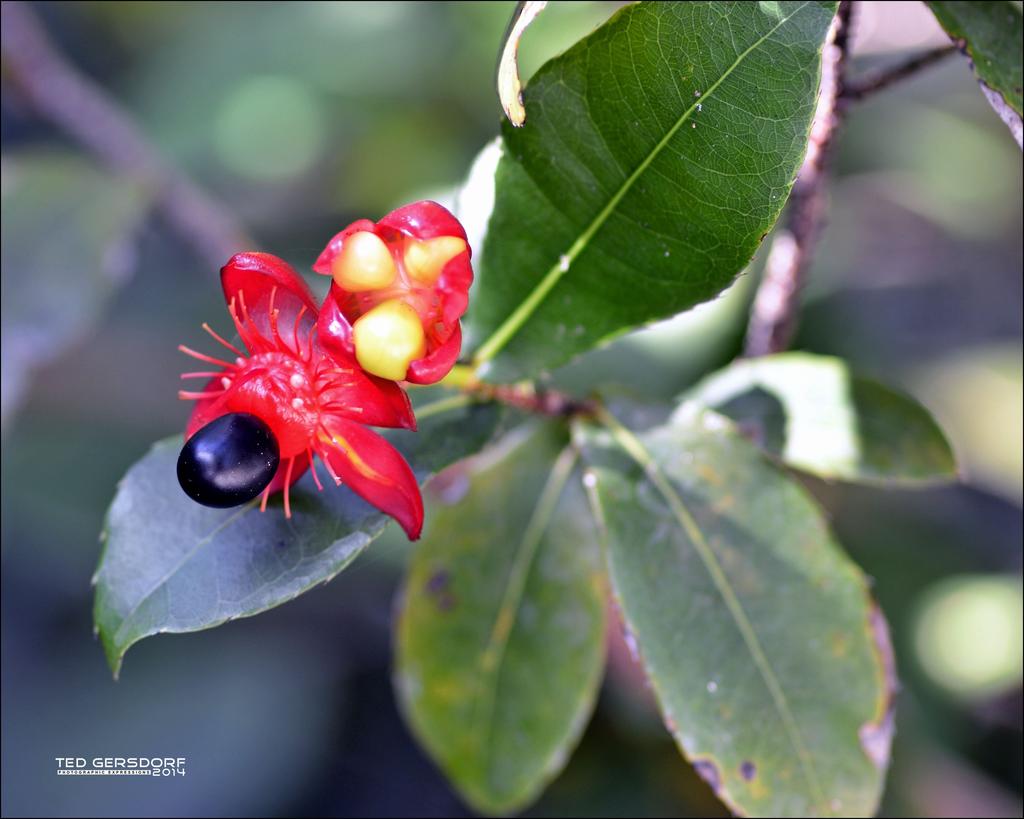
[
  {"x": 541, "y": 401},
  {"x": 56, "y": 91},
  {"x": 530, "y": 398},
  {"x": 525, "y": 395},
  {"x": 773, "y": 317},
  {"x": 880, "y": 80}
]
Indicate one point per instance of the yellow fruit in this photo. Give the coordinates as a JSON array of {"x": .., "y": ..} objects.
[
  {"x": 387, "y": 338},
  {"x": 365, "y": 263},
  {"x": 425, "y": 259}
]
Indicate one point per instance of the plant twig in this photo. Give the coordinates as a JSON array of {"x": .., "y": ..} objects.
[
  {"x": 774, "y": 314},
  {"x": 537, "y": 400},
  {"x": 525, "y": 395},
  {"x": 880, "y": 80},
  {"x": 56, "y": 91},
  {"x": 530, "y": 398}
]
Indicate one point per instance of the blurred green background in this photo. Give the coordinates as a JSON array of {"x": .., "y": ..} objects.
[{"x": 304, "y": 116}]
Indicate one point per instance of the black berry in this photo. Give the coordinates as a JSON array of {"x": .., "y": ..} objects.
[{"x": 229, "y": 461}]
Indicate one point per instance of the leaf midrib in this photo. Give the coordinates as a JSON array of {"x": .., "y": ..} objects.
[{"x": 505, "y": 332}]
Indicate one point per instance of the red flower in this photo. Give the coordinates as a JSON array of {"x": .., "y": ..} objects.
[
  {"x": 314, "y": 401},
  {"x": 400, "y": 287}
]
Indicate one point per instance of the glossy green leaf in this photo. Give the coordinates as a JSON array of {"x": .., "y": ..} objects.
[
  {"x": 768, "y": 658},
  {"x": 501, "y": 635},
  {"x": 992, "y": 34},
  {"x": 657, "y": 153},
  {"x": 814, "y": 414},
  {"x": 67, "y": 245},
  {"x": 171, "y": 565}
]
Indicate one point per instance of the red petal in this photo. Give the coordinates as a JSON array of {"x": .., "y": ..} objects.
[
  {"x": 350, "y": 392},
  {"x": 427, "y": 220},
  {"x": 256, "y": 277},
  {"x": 398, "y": 403},
  {"x": 423, "y": 220},
  {"x": 209, "y": 409},
  {"x": 453, "y": 286},
  {"x": 453, "y": 305},
  {"x": 206, "y": 409},
  {"x": 375, "y": 471},
  {"x": 333, "y": 330},
  {"x": 432, "y": 368},
  {"x": 323, "y": 262}
]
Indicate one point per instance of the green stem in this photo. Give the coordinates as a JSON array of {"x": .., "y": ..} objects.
[
  {"x": 444, "y": 405},
  {"x": 461, "y": 377}
]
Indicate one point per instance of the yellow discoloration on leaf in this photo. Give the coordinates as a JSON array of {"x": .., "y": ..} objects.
[
  {"x": 710, "y": 474},
  {"x": 502, "y": 629},
  {"x": 449, "y": 690},
  {"x": 758, "y": 788},
  {"x": 723, "y": 504},
  {"x": 509, "y": 85}
]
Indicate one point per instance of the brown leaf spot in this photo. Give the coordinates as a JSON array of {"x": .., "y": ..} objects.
[
  {"x": 708, "y": 771},
  {"x": 1006, "y": 113},
  {"x": 753, "y": 430},
  {"x": 438, "y": 588},
  {"x": 876, "y": 735},
  {"x": 839, "y": 644},
  {"x": 450, "y": 485}
]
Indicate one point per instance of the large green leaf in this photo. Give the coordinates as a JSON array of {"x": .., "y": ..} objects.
[
  {"x": 171, "y": 565},
  {"x": 656, "y": 155},
  {"x": 815, "y": 415},
  {"x": 501, "y": 635},
  {"x": 67, "y": 232},
  {"x": 991, "y": 33},
  {"x": 768, "y": 659}
]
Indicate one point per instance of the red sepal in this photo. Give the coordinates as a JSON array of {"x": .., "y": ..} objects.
[
  {"x": 423, "y": 220},
  {"x": 374, "y": 470},
  {"x": 333, "y": 329},
  {"x": 347, "y": 390},
  {"x": 323, "y": 261},
  {"x": 432, "y": 368},
  {"x": 250, "y": 282}
]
